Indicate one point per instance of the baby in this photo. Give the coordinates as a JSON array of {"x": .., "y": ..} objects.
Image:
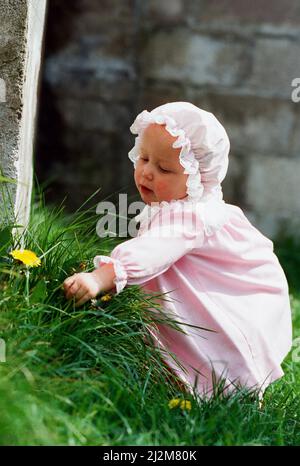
[{"x": 220, "y": 272}]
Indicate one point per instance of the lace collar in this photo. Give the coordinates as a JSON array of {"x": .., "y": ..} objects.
[{"x": 213, "y": 212}]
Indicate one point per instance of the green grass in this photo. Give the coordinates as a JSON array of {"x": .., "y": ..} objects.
[{"x": 87, "y": 376}]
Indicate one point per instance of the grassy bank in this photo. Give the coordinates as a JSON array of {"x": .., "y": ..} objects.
[{"x": 86, "y": 376}]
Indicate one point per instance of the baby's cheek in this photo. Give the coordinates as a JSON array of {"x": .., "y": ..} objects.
[
  {"x": 137, "y": 175},
  {"x": 163, "y": 188}
]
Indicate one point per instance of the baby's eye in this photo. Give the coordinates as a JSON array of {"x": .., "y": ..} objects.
[{"x": 163, "y": 170}]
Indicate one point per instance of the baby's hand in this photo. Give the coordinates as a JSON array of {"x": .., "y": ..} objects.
[{"x": 81, "y": 286}]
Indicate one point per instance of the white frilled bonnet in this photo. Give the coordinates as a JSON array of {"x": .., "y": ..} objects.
[
  {"x": 204, "y": 155},
  {"x": 204, "y": 145}
]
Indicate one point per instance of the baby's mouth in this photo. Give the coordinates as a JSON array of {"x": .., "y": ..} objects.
[{"x": 146, "y": 190}]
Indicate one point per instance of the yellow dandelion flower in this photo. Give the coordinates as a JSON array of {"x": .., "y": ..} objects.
[
  {"x": 106, "y": 297},
  {"x": 174, "y": 403},
  {"x": 27, "y": 257},
  {"x": 186, "y": 404}
]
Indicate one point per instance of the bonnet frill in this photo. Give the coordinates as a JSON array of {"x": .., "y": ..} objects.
[{"x": 204, "y": 153}]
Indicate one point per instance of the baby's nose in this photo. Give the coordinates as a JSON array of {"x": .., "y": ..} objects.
[{"x": 147, "y": 173}]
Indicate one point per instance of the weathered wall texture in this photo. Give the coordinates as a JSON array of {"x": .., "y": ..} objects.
[
  {"x": 107, "y": 60},
  {"x": 88, "y": 98},
  {"x": 13, "y": 17},
  {"x": 21, "y": 32}
]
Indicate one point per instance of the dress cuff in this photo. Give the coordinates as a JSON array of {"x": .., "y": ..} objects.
[{"x": 120, "y": 272}]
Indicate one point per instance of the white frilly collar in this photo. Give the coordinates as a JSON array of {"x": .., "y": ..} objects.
[{"x": 213, "y": 212}]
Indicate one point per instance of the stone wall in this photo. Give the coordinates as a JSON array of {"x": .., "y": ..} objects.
[
  {"x": 107, "y": 60},
  {"x": 13, "y": 17},
  {"x": 21, "y": 35},
  {"x": 88, "y": 98}
]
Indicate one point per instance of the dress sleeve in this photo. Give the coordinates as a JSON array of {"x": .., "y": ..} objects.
[{"x": 172, "y": 233}]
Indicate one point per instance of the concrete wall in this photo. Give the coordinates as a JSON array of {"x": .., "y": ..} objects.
[
  {"x": 21, "y": 32},
  {"x": 107, "y": 60}
]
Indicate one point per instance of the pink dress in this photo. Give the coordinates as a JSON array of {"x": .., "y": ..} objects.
[{"x": 225, "y": 279}]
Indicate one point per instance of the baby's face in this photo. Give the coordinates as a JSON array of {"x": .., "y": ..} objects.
[{"x": 159, "y": 175}]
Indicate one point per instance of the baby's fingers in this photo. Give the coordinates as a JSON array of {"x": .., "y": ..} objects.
[
  {"x": 72, "y": 290},
  {"x": 83, "y": 299},
  {"x": 68, "y": 282}
]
